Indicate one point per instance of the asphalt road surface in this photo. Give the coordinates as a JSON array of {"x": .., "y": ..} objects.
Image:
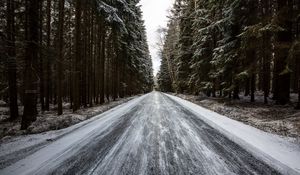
[{"x": 153, "y": 135}]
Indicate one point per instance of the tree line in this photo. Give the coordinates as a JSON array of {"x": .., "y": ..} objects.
[
  {"x": 225, "y": 47},
  {"x": 84, "y": 52}
]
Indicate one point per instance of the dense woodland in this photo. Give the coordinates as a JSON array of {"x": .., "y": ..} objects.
[
  {"x": 228, "y": 48},
  {"x": 83, "y": 52}
]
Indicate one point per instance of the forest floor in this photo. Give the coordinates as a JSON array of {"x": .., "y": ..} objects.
[
  {"x": 49, "y": 120},
  {"x": 276, "y": 119}
]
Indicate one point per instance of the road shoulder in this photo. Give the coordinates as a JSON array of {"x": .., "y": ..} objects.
[
  {"x": 281, "y": 152},
  {"x": 17, "y": 147}
]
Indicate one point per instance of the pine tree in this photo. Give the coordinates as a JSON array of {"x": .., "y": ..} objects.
[
  {"x": 11, "y": 61},
  {"x": 48, "y": 63},
  {"x": 59, "y": 62},
  {"x": 185, "y": 42},
  {"x": 77, "y": 59},
  {"x": 76, "y": 52},
  {"x": 30, "y": 78},
  {"x": 164, "y": 79},
  {"x": 41, "y": 57},
  {"x": 266, "y": 48},
  {"x": 284, "y": 39},
  {"x": 215, "y": 46}
]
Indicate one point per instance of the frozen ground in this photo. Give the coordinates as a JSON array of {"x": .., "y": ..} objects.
[
  {"x": 48, "y": 120},
  {"x": 277, "y": 119},
  {"x": 153, "y": 134},
  {"x": 276, "y": 150}
]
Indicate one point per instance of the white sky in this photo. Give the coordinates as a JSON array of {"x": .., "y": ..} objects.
[{"x": 155, "y": 14}]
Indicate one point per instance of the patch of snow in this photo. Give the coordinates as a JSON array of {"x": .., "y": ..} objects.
[
  {"x": 22, "y": 142},
  {"x": 49, "y": 120},
  {"x": 17, "y": 144},
  {"x": 281, "y": 152},
  {"x": 3, "y": 103},
  {"x": 276, "y": 119},
  {"x": 62, "y": 145}
]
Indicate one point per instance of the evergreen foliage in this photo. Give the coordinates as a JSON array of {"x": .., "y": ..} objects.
[
  {"x": 225, "y": 47},
  {"x": 81, "y": 51}
]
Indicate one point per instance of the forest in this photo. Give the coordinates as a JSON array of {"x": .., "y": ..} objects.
[
  {"x": 230, "y": 48},
  {"x": 82, "y": 52},
  {"x": 149, "y": 87}
]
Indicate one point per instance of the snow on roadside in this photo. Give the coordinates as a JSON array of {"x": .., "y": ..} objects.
[
  {"x": 49, "y": 120},
  {"x": 276, "y": 119},
  {"x": 58, "y": 141},
  {"x": 24, "y": 143},
  {"x": 280, "y": 152}
]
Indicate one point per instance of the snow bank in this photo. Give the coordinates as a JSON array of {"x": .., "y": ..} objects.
[
  {"x": 280, "y": 152},
  {"x": 281, "y": 120}
]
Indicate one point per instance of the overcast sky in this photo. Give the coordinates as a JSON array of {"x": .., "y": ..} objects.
[{"x": 155, "y": 14}]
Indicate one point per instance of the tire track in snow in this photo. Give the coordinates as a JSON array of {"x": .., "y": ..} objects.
[
  {"x": 161, "y": 137},
  {"x": 157, "y": 136}
]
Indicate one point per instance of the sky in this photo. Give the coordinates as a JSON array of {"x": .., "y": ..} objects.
[{"x": 155, "y": 14}]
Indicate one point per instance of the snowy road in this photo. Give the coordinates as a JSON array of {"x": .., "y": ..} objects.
[{"x": 153, "y": 134}]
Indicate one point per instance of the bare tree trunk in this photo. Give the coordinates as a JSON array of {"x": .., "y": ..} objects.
[
  {"x": 84, "y": 67},
  {"x": 97, "y": 62},
  {"x": 122, "y": 73},
  {"x": 115, "y": 65},
  {"x": 266, "y": 67},
  {"x": 91, "y": 58},
  {"x": 236, "y": 91},
  {"x": 77, "y": 60},
  {"x": 282, "y": 75},
  {"x": 30, "y": 75},
  {"x": 247, "y": 87},
  {"x": 298, "y": 104},
  {"x": 298, "y": 55},
  {"x": 108, "y": 69},
  {"x": 253, "y": 84},
  {"x": 41, "y": 59},
  {"x": 12, "y": 65},
  {"x": 60, "y": 59},
  {"x": 266, "y": 48},
  {"x": 48, "y": 66},
  {"x": 102, "y": 64}
]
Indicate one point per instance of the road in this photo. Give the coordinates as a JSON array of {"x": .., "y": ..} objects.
[{"x": 153, "y": 135}]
